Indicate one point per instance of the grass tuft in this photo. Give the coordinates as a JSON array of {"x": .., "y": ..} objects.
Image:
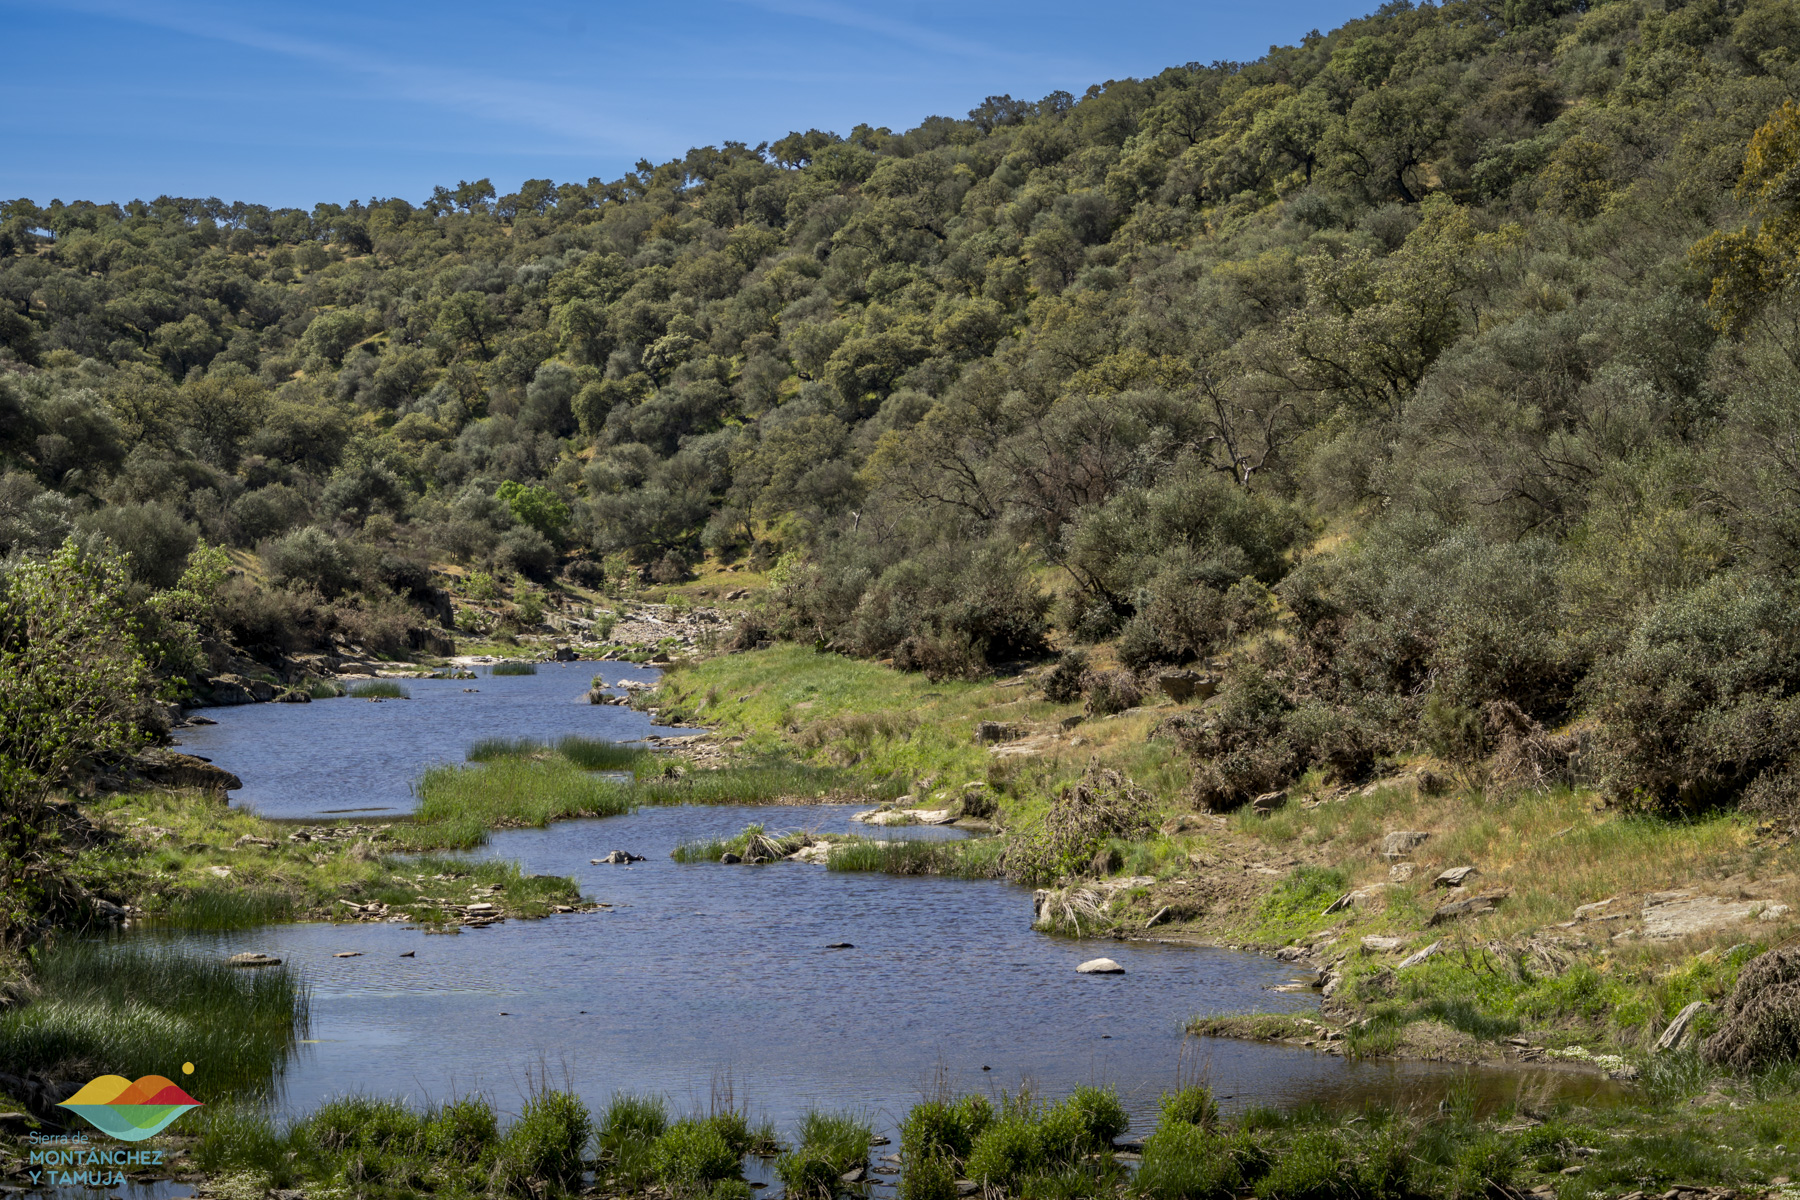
[
  {"x": 105, "y": 1008},
  {"x": 379, "y": 689},
  {"x": 514, "y": 668}
]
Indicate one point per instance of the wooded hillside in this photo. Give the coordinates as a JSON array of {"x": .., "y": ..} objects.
[{"x": 1444, "y": 369}]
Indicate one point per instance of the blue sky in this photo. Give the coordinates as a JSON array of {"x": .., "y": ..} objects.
[{"x": 291, "y": 104}]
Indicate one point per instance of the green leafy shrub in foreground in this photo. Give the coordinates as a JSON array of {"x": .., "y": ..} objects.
[{"x": 691, "y": 1155}]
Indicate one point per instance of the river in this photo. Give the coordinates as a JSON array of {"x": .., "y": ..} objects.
[{"x": 708, "y": 974}]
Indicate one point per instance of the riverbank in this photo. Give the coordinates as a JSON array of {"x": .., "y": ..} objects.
[{"x": 1582, "y": 923}]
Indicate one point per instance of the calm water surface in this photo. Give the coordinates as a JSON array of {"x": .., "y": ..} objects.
[
  {"x": 702, "y": 973},
  {"x": 349, "y": 757}
]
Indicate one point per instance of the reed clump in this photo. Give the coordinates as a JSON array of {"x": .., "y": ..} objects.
[
  {"x": 379, "y": 689},
  {"x": 972, "y": 858},
  {"x": 753, "y": 843},
  {"x": 384, "y": 1148},
  {"x": 104, "y": 1008},
  {"x": 519, "y": 785},
  {"x": 514, "y": 668}
]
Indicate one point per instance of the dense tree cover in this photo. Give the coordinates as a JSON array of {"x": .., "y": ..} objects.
[{"x": 1445, "y": 365}]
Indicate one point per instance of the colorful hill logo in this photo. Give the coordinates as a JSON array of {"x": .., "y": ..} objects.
[{"x": 130, "y": 1111}]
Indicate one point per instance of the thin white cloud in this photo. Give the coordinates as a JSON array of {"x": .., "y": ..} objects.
[{"x": 587, "y": 117}]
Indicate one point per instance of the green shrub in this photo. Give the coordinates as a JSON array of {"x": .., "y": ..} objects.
[
  {"x": 808, "y": 1173},
  {"x": 1313, "y": 1166},
  {"x": 1484, "y": 1166},
  {"x": 547, "y": 1143},
  {"x": 1182, "y": 1161},
  {"x": 364, "y": 1123},
  {"x": 462, "y": 1130},
  {"x": 1102, "y": 1118},
  {"x": 692, "y": 1154},
  {"x": 944, "y": 1128},
  {"x": 1007, "y": 1150},
  {"x": 927, "y": 1176},
  {"x": 1190, "y": 1106},
  {"x": 642, "y": 1117},
  {"x": 1063, "y": 684},
  {"x": 379, "y": 689}
]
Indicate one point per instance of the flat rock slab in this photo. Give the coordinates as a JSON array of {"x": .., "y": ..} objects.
[
  {"x": 1454, "y": 877},
  {"x": 1678, "y": 914},
  {"x": 1100, "y": 966},
  {"x": 1413, "y": 960},
  {"x": 253, "y": 960},
  {"x": 1382, "y": 945},
  {"x": 1400, "y": 843},
  {"x": 1473, "y": 906}
]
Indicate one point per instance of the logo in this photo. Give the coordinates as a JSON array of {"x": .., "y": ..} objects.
[{"x": 130, "y": 1111}]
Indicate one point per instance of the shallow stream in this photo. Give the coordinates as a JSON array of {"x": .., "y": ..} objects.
[{"x": 705, "y": 975}]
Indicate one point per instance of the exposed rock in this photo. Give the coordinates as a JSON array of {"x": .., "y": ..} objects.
[
  {"x": 171, "y": 769},
  {"x": 1402, "y": 872},
  {"x": 1382, "y": 945},
  {"x": 1761, "y": 1020},
  {"x": 564, "y": 654},
  {"x": 1188, "y": 823},
  {"x": 252, "y": 840},
  {"x": 1100, "y": 966},
  {"x": 994, "y": 731},
  {"x": 818, "y": 853},
  {"x": 1268, "y": 802},
  {"x": 617, "y": 857},
  {"x": 1068, "y": 723},
  {"x": 841, "y": 946},
  {"x": 1454, "y": 877},
  {"x": 293, "y": 696},
  {"x": 348, "y": 954},
  {"x": 253, "y": 959},
  {"x": 228, "y": 690},
  {"x": 853, "y": 1175},
  {"x": 1413, "y": 960},
  {"x": 1589, "y": 912},
  {"x": 1678, "y": 914},
  {"x": 1400, "y": 843},
  {"x": 729, "y": 857},
  {"x": 1677, "y": 1032},
  {"x": 1469, "y": 907},
  {"x": 1183, "y": 686}
]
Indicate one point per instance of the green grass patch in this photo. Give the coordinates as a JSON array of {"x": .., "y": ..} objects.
[
  {"x": 458, "y": 806},
  {"x": 590, "y": 754},
  {"x": 514, "y": 668},
  {"x": 970, "y": 858},
  {"x": 324, "y": 689},
  {"x": 133, "y": 1010},
  {"x": 227, "y": 908},
  {"x": 379, "y": 689},
  {"x": 753, "y": 842}
]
